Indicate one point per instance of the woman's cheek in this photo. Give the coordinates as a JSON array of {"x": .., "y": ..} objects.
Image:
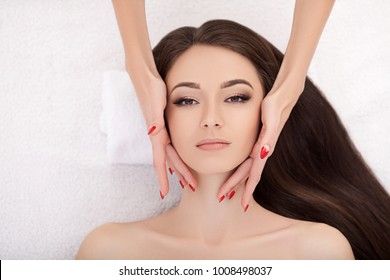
[
  {"x": 248, "y": 129},
  {"x": 180, "y": 128}
]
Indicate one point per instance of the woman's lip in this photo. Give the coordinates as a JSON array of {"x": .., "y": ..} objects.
[
  {"x": 213, "y": 146},
  {"x": 212, "y": 141}
]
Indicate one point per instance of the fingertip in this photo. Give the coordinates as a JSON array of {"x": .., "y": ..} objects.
[
  {"x": 191, "y": 180},
  {"x": 245, "y": 204},
  {"x": 156, "y": 127},
  {"x": 246, "y": 197},
  {"x": 219, "y": 194},
  {"x": 152, "y": 129},
  {"x": 231, "y": 194},
  {"x": 164, "y": 185},
  {"x": 191, "y": 187},
  {"x": 193, "y": 183},
  {"x": 265, "y": 149},
  {"x": 164, "y": 191},
  {"x": 222, "y": 191}
]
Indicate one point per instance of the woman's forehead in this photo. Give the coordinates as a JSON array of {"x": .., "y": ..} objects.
[{"x": 204, "y": 63}]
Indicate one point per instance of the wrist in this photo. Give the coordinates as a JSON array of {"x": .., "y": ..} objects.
[
  {"x": 291, "y": 83},
  {"x": 291, "y": 75},
  {"x": 143, "y": 78},
  {"x": 287, "y": 89}
]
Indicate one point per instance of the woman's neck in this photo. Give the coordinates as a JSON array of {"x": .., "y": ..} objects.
[{"x": 202, "y": 216}]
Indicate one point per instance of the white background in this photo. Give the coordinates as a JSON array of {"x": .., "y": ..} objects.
[{"x": 55, "y": 182}]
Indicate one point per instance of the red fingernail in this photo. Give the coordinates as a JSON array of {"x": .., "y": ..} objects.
[
  {"x": 153, "y": 128},
  {"x": 191, "y": 187},
  {"x": 170, "y": 170},
  {"x": 231, "y": 194},
  {"x": 181, "y": 184},
  {"x": 221, "y": 198},
  {"x": 264, "y": 152},
  {"x": 246, "y": 208},
  {"x": 162, "y": 197}
]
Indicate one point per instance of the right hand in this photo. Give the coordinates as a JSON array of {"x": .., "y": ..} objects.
[{"x": 153, "y": 102}]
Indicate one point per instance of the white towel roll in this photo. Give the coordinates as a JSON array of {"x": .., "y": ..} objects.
[{"x": 123, "y": 122}]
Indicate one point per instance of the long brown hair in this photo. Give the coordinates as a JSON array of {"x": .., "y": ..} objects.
[{"x": 315, "y": 172}]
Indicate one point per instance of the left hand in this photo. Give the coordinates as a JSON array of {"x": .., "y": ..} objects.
[{"x": 275, "y": 110}]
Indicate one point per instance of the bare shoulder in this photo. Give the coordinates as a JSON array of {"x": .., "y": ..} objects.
[
  {"x": 321, "y": 241},
  {"x": 111, "y": 241}
]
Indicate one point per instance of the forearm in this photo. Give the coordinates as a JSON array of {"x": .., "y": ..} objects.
[
  {"x": 139, "y": 60},
  {"x": 309, "y": 21}
]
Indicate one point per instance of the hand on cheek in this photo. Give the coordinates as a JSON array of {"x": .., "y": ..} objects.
[{"x": 177, "y": 166}]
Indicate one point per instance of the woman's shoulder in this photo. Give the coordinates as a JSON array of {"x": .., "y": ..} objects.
[
  {"x": 113, "y": 241},
  {"x": 321, "y": 241}
]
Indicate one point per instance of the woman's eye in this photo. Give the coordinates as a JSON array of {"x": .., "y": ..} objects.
[
  {"x": 185, "y": 102},
  {"x": 239, "y": 98}
]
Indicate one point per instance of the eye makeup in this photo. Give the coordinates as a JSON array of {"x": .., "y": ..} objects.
[{"x": 235, "y": 98}]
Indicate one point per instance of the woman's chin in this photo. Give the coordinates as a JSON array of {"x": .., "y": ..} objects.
[
  {"x": 213, "y": 169},
  {"x": 213, "y": 164}
]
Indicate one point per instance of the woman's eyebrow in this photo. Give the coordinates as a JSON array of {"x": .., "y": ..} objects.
[
  {"x": 235, "y": 82},
  {"x": 186, "y": 84},
  {"x": 223, "y": 85}
]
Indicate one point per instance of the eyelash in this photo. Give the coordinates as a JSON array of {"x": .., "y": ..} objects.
[{"x": 244, "y": 98}]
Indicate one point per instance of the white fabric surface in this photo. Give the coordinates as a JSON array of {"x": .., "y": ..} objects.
[
  {"x": 123, "y": 122},
  {"x": 56, "y": 181}
]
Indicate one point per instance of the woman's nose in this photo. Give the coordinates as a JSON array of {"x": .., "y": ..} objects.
[{"x": 211, "y": 117}]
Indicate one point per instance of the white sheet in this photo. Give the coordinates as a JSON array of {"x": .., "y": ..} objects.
[{"x": 56, "y": 180}]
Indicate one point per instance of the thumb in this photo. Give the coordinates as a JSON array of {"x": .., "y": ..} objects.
[
  {"x": 267, "y": 139},
  {"x": 155, "y": 118},
  {"x": 156, "y": 125}
]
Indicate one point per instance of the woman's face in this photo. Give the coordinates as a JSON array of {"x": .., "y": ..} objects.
[{"x": 213, "y": 108}]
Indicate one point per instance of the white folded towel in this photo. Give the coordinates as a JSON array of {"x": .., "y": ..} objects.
[{"x": 123, "y": 122}]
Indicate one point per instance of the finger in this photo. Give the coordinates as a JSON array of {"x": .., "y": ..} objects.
[
  {"x": 273, "y": 123},
  {"x": 255, "y": 151},
  {"x": 156, "y": 126},
  {"x": 268, "y": 137},
  {"x": 172, "y": 169},
  {"x": 155, "y": 107},
  {"x": 240, "y": 174},
  {"x": 171, "y": 166},
  {"x": 241, "y": 184},
  {"x": 159, "y": 161},
  {"x": 181, "y": 168},
  {"x": 159, "y": 165},
  {"x": 253, "y": 179}
]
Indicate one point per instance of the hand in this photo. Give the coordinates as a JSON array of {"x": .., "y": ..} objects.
[
  {"x": 275, "y": 110},
  {"x": 164, "y": 152},
  {"x": 153, "y": 103}
]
